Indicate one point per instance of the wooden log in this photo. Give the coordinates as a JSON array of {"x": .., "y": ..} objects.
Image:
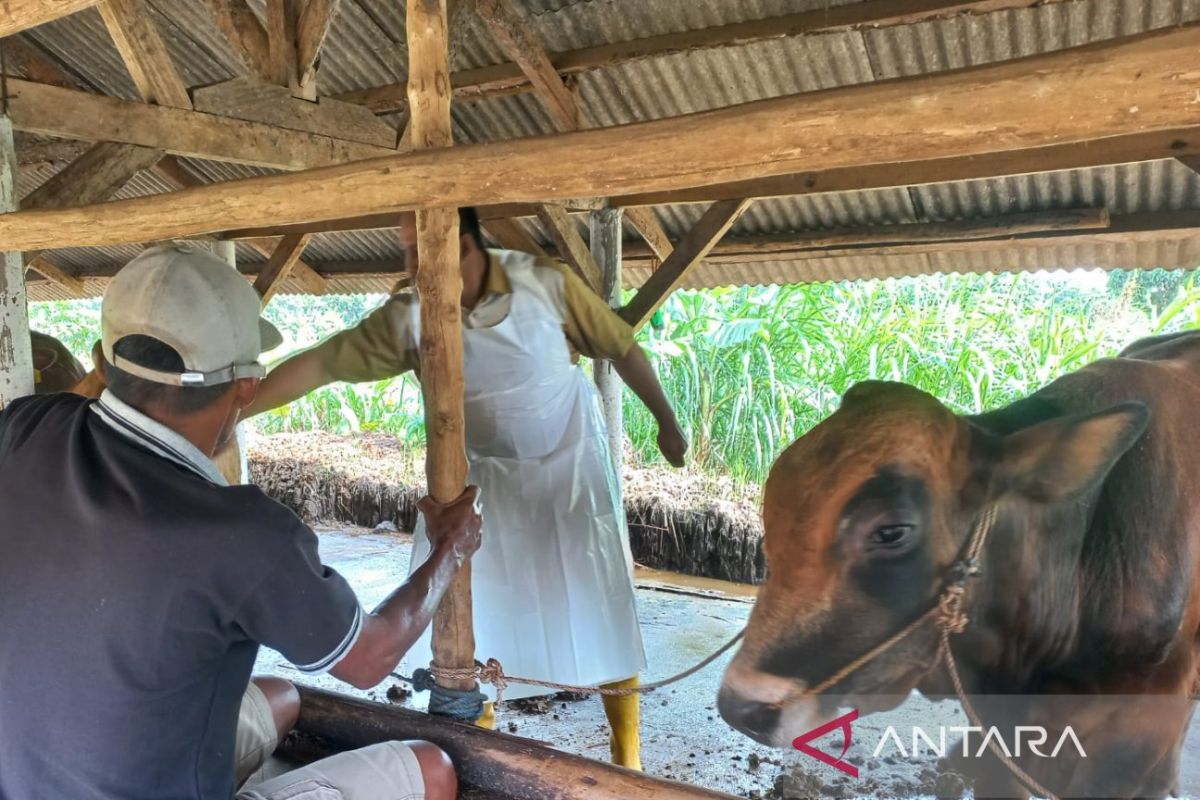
[
  {"x": 606, "y": 242},
  {"x": 1082, "y": 95},
  {"x": 144, "y": 53},
  {"x": 42, "y": 265},
  {"x": 94, "y": 176},
  {"x": 494, "y": 762},
  {"x": 17, "y": 15},
  {"x": 645, "y": 221},
  {"x": 315, "y": 21},
  {"x": 511, "y": 78},
  {"x": 571, "y": 247},
  {"x": 16, "y": 353},
  {"x": 66, "y": 113},
  {"x": 245, "y": 33},
  {"x": 691, "y": 250},
  {"x": 512, "y": 33},
  {"x": 439, "y": 285},
  {"x": 511, "y": 235},
  {"x": 279, "y": 267}
]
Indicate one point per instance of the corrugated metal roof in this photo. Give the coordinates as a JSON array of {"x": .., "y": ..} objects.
[{"x": 365, "y": 48}]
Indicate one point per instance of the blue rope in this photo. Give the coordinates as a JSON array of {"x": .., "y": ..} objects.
[{"x": 465, "y": 706}]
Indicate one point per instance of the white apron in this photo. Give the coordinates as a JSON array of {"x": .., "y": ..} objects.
[{"x": 552, "y": 583}]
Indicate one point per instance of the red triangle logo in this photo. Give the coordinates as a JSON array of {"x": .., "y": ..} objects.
[{"x": 801, "y": 743}]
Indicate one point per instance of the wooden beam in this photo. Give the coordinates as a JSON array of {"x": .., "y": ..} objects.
[
  {"x": 95, "y": 176},
  {"x": 1075, "y": 97},
  {"x": 283, "y": 32},
  {"x": 42, "y": 265},
  {"x": 511, "y": 78},
  {"x": 645, "y": 221},
  {"x": 491, "y": 763},
  {"x": 29, "y": 60},
  {"x": 311, "y": 280},
  {"x": 1191, "y": 162},
  {"x": 17, "y": 15},
  {"x": 315, "y": 21},
  {"x": 511, "y": 235},
  {"x": 253, "y": 100},
  {"x": 245, "y": 33},
  {"x": 279, "y": 267},
  {"x": 571, "y": 247},
  {"x": 16, "y": 354},
  {"x": 605, "y": 237},
  {"x": 439, "y": 284},
  {"x": 512, "y": 33},
  {"x": 691, "y": 250},
  {"x": 70, "y": 114},
  {"x": 145, "y": 54}
]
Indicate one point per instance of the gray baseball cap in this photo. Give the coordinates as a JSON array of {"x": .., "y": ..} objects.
[{"x": 185, "y": 297}]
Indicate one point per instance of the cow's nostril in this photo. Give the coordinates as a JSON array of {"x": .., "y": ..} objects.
[{"x": 753, "y": 718}]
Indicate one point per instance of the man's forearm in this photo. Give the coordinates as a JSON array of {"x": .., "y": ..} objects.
[
  {"x": 288, "y": 382},
  {"x": 409, "y": 609},
  {"x": 639, "y": 376}
]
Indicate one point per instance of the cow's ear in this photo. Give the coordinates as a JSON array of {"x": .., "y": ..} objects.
[{"x": 1063, "y": 457}]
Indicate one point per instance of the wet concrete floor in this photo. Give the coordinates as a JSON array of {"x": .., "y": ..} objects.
[{"x": 683, "y": 738}]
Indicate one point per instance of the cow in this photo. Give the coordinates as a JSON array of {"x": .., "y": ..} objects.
[{"x": 1087, "y": 583}]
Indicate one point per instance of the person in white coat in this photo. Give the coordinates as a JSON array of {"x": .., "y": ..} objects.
[{"x": 552, "y": 584}]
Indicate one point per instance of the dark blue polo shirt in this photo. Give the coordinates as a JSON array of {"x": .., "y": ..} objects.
[{"x": 135, "y": 590}]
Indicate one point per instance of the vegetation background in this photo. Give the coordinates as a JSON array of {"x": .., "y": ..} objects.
[{"x": 749, "y": 369}]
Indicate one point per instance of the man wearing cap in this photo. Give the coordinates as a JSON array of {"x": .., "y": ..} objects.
[
  {"x": 552, "y": 585},
  {"x": 138, "y": 591}
]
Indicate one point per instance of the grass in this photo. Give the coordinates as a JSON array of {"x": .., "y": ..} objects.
[{"x": 750, "y": 369}]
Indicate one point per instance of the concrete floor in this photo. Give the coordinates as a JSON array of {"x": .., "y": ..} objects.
[{"x": 682, "y": 736}]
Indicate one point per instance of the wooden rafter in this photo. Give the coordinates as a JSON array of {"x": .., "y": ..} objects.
[
  {"x": 519, "y": 43},
  {"x": 690, "y": 251},
  {"x": 245, "y": 33},
  {"x": 315, "y": 21},
  {"x": 1191, "y": 162},
  {"x": 510, "y": 78},
  {"x": 145, "y": 54},
  {"x": 18, "y": 15},
  {"x": 439, "y": 283},
  {"x": 54, "y": 111},
  {"x": 283, "y": 32},
  {"x": 566, "y": 237},
  {"x": 1139, "y": 86},
  {"x": 279, "y": 266},
  {"x": 646, "y": 223},
  {"x": 511, "y": 235}
]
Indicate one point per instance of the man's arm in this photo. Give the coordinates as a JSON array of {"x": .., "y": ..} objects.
[
  {"x": 294, "y": 378},
  {"x": 639, "y": 376},
  {"x": 392, "y": 628}
]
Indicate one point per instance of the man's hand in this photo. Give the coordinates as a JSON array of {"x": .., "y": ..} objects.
[
  {"x": 672, "y": 443},
  {"x": 454, "y": 526}
]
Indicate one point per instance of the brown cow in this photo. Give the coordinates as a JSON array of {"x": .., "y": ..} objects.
[{"x": 1089, "y": 580}]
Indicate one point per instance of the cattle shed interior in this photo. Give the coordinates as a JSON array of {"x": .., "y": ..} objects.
[{"x": 1126, "y": 195}]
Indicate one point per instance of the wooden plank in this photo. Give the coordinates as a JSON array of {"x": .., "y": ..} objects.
[
  {"x": 511, "y": 235},
  {"x": 16, "y": 354},
  {"x": 511, "y": 78},
  {"x": 245, "y": 33},
  {"x": 281, "y": 40},
  {"x": 145, "y": 54},
  {"x": 1003, "y": 227},
  {"x": 645, "y": 221},
  {"x": 66, "y": 113},
  {"x": 30, "y": 61},
  {"x": 17, "y": 15},
  {"x": 571, "y": 247},
  {"x": 1077, "y": 97},
  {"x": 253, "y": 100},
  {"x": 512, "y": 33},
  {"x": 94, "y": 176},
  {"x": 42, "y": 265},
  {"x": 439, "y": 284},
  {"x": 691, "y": 250},
  {"x": 491, "y": 762},
  {"x": 315, "y": 21},
  {"x": 279, "y": 267}
]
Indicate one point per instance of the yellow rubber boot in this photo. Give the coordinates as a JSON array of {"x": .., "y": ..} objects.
[
  {"x": 624, "y": 722},
  {"x": 488, "y": 720}
]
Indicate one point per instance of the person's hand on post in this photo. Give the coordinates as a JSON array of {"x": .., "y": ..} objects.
[
  {"x": 454, "y": 527},
  {"x": 672, "y": 443}
]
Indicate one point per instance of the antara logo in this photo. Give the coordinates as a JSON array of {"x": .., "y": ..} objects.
[{"x": 1033, "y": 737}]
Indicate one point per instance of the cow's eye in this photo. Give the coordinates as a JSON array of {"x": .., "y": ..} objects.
[{"x": 891, "y": 535}]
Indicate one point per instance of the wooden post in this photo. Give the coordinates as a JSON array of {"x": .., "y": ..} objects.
[
  {"x": 605, "y": 228},
  {"x": 16, "y": 354},
  {"x": 439, "y": 285}
]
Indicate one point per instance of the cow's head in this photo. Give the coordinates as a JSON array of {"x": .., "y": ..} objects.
[{"x": 863, "y": 516}]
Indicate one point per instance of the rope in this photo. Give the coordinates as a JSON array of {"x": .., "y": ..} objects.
[{"x": 492, "y": 672}]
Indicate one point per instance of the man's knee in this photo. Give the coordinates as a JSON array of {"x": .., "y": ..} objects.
[
  {"x": 441, "y": 783},
  {"x": 284, "y": 701}
]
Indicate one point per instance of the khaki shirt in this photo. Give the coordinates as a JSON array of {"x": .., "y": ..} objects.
[{"x": 384, "y": 344}]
